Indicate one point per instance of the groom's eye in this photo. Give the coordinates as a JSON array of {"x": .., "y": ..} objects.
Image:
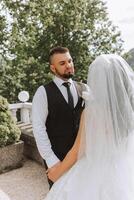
[
  {"x": 62, "y": 63},
  {"x": 70, "y": 61}
]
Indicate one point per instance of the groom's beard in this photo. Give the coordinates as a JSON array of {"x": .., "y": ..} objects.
[{"x": 65, "y": 75}]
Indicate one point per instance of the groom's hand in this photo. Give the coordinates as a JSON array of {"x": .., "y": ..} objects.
[
  {"x": 53, "y": 167},
  {"x": 53, "y": 173}
]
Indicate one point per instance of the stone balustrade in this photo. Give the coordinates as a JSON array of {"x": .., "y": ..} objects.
[
  {"x": 23, "y": 121},
  {"x": 21, "y": 112}
]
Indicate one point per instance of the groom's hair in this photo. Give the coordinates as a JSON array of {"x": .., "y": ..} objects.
[{"x": 57, "y": 50}]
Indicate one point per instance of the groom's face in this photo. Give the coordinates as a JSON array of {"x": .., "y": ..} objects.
[{"x": 62, "y": 65}]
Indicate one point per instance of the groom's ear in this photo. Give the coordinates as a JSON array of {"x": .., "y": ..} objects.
[{"x": 52, "y": 68}]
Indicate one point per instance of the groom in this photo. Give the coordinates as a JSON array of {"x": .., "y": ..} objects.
[{"x": 56, "y": 110}]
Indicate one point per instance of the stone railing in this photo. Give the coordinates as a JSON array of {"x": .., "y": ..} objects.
[{"x": 22, "y": 111}]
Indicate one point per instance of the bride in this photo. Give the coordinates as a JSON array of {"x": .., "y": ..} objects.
[{"x": 104, "y": 147}]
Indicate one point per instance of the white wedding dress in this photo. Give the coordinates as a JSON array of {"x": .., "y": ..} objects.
[
  {"x": 114, "y": 181},
  {"x": 106, "y": 171}
]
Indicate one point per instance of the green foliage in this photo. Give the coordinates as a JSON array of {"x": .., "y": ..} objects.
[
  {"x": 37, "y": 26},
  {"x": 4, "y": 131},
  {"x": 9, "y": 132}
]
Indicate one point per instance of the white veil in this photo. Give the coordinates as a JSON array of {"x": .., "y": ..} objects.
[{"x": 109, "y": 113}]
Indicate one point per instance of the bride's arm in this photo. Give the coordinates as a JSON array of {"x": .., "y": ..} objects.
[{"x": 70, "y": 158}]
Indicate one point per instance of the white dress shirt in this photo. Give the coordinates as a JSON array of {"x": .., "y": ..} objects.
[{"x": 39, "y": 116}]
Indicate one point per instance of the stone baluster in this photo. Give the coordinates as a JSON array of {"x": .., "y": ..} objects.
[
  {"x": 14, "y": 111},
  {"x": 24, "y": 107},
  {"x": 25, "y": 110}
]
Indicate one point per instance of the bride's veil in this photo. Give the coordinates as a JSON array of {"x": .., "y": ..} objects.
[{"x": 109, "y": 113}]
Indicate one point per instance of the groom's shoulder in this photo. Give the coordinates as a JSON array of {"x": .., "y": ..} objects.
[
  {"x": 81, "y": 87},
  {"x": 49, "y": 84}
]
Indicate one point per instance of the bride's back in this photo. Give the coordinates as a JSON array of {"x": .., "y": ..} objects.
[{"x": 112, "y": 110}]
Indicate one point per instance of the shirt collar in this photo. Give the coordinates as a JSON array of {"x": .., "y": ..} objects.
[{"x": 58, "y": 81}]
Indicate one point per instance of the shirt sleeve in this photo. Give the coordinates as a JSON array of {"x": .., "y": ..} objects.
[{"x": 39, "y": 116}]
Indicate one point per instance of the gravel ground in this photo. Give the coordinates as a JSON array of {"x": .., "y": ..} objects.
[{"x": 26, "y": 183}]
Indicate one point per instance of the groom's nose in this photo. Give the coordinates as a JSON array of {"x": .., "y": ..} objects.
[{"x": 69, "y": 65}]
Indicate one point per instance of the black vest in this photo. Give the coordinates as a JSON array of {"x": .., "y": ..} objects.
[{"x": 62, "y": 122}]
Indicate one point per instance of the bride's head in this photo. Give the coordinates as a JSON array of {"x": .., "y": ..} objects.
[{"x": 110, "y": 74}]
